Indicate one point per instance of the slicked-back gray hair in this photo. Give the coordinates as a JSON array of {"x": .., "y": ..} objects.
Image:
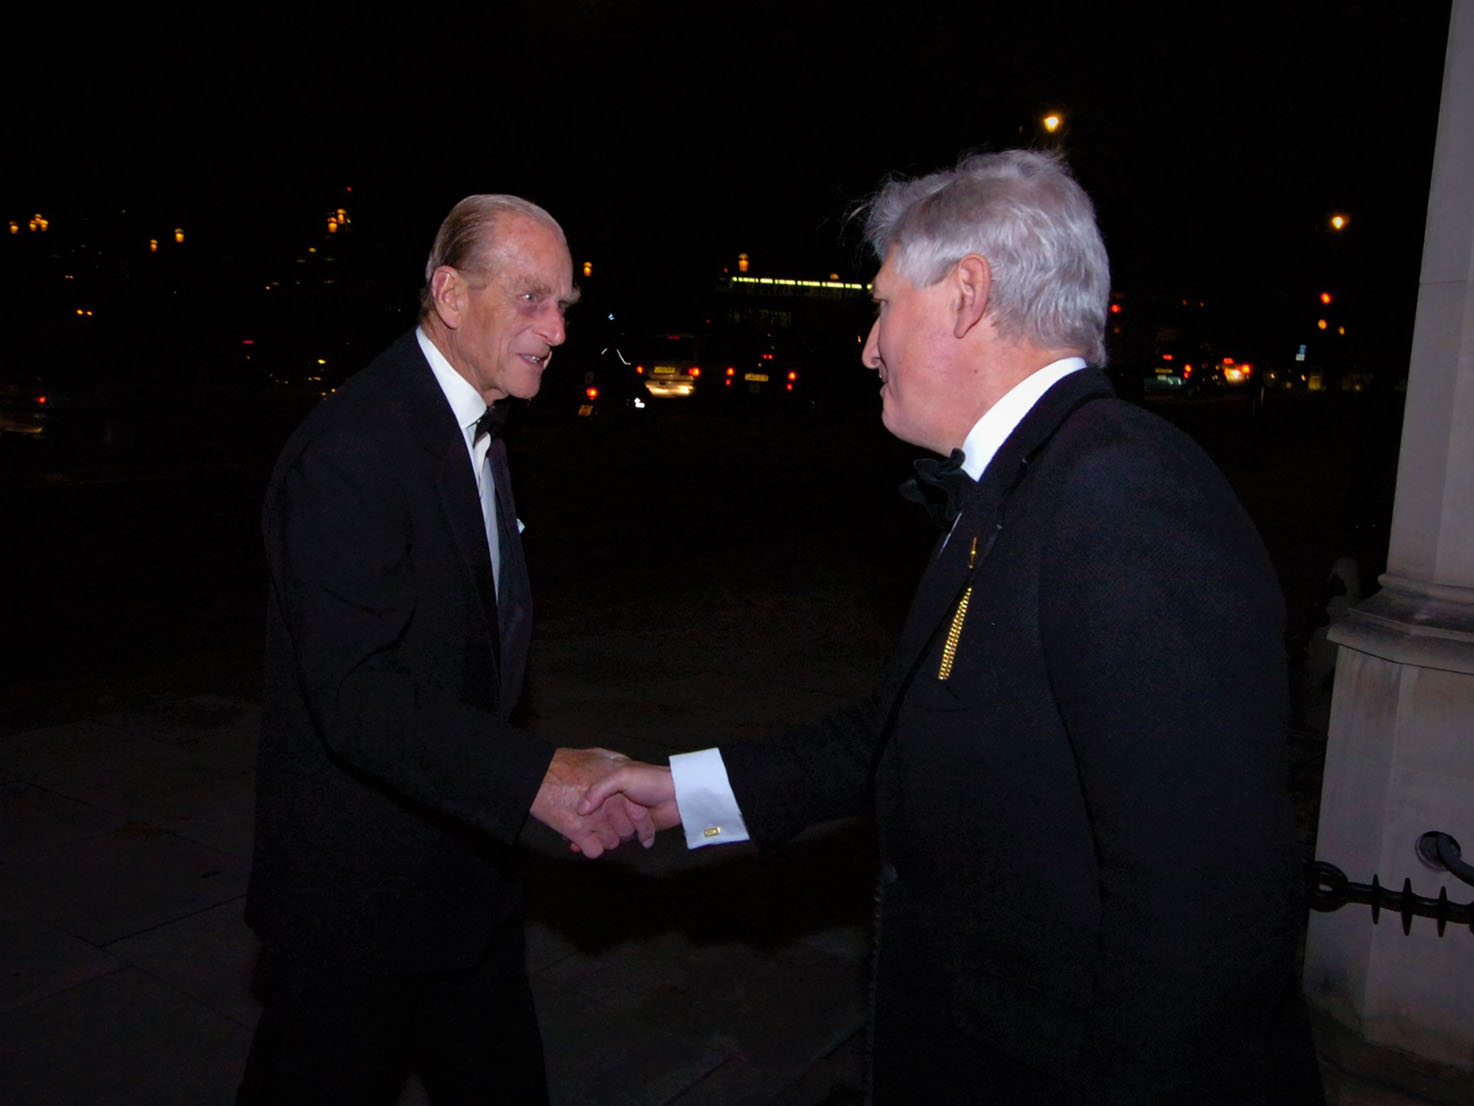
[
  {"x": 467, "y": 237},
  {"x": 1024, "y": 213}
]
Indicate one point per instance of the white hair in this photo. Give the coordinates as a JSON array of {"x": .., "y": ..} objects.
[
  {"x": 467, "y": 237},
  {"x": 1023, "y": 212}
]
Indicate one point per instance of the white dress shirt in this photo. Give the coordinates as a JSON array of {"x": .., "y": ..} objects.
[
  {"x": 468, "y": 406},
  {"x": 704, "y": 795}
]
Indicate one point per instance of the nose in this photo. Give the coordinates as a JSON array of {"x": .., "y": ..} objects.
[
  {"x": 870, "y": 355},
  {"x": 552, "y": 327}
]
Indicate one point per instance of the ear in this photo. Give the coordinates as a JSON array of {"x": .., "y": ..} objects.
[
  {"x": 446, "y": 290},
  {"x": 973, "y": 280}
]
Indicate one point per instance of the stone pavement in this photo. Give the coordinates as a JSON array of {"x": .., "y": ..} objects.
[
  {"x": 740, "y": 596},
  {"x": 664, "y": 977}
]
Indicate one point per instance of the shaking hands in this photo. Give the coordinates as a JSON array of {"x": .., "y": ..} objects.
[{"x": 596, "y": 799}]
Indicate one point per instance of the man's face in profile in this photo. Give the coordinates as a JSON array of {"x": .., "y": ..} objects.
[
  {"x": 511, "y": 314},
  {"x": 905, "y": 347}
]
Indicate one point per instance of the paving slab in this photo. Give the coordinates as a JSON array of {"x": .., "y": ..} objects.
[
  {"x": 40, "y": 960},
  {"x": 56, "y": 755},
  {"x": 132, "y": 879},
  {"x": 597, "y": 1056},
  {"x": 210, "y": 957},
  {"x": 123, "y": 1039},
  {"x": 168, "y": 792},
  {"x": 35, "y": 819}
]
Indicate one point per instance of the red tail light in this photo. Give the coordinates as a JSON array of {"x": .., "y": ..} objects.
[
  {"x": 695, "y": 370},
  {"x": 41, "y": 400},
  {"x": 592, "y": 393},
  {"x": 731, "y": 371},
  {"x": 640, "y": 369},
  {"x": 792, "y": 376}
]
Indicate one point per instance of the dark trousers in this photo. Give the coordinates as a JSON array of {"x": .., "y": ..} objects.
[{"x": 329, "y": 1035}]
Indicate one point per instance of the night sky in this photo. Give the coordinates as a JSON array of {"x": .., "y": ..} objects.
[{"x": 667, "y": 137}]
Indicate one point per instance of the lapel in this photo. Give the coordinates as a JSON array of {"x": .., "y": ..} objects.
[
  {"x": 984, "y": 513},
  {"x": 433, "y": 426}
]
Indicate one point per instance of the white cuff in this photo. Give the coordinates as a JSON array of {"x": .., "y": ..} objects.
[{"x": 704, "y": 798}]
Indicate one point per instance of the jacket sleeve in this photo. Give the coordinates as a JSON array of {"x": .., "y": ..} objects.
[
  {"x": 1161, "y": 621},
  {"x": 380, "y": 675},
  {"x": 807, "y": 774}
]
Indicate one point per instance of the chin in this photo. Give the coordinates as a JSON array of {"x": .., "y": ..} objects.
[
  {"x": 899, "y": 431},
  {"x": 523, "y": 388},
  {"x": 890, "y": 420}
]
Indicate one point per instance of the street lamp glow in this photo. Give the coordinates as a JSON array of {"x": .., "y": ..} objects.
[
  {"x": 1338, "y": 222},
  {"x": 1052, "y": 122}
]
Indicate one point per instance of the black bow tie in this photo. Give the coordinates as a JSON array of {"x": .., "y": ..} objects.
[
  {"x": 940, "y": 487},
  {"x": 491, "y": 422}
]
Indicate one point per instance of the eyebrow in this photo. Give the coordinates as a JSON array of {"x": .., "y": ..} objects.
[{"x": 542, "y": 288}]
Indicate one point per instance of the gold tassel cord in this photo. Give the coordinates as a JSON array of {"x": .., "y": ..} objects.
[{"x": 954, "y": 632}]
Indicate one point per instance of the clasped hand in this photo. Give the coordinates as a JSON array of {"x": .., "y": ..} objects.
[{"x": 597, "y": 798}]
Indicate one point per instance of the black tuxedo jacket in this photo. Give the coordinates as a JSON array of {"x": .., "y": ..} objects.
[
  {"x": 390, "y": 786},
  {"x": 1089, "y": 889}
]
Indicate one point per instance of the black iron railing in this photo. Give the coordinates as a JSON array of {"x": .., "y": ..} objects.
[{"x": 1330, "y": 889}]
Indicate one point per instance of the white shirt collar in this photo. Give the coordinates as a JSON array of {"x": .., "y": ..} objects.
[
  {"x": 1000, "y": 420},
  {"x": 465, "y": 401}
]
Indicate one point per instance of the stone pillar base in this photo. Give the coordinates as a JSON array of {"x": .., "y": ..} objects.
[
  {"x": 1357, "y": 1073},
  {"x": 1400, "y": 762}
]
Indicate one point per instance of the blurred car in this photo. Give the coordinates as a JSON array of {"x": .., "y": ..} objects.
[
  {"x": 23, "y": 401},
  {"x": 64, "y": 386},
  {"x": 1170, "y": 375},
  {"x": 760, "y": 375},
  {"x": 1233, "y": 374},
  {"x": 590, "y": 379},
  {"x": 86, "y": 394},
  {"x": 1287, "y": 380},
  {"x": 670, "y": 366},
  {"x": 608, "y": 386}
]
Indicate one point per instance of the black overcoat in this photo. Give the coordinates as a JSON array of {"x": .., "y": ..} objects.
[
  {"x": 391, "y": 787},
  {"x": 1089, "y": 889}
]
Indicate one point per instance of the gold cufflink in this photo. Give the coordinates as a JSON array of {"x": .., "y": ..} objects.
[{"x": 712, "y": 831}]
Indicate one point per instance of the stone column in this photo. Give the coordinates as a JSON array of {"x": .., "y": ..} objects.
[{"x": 1400, "y": 755}]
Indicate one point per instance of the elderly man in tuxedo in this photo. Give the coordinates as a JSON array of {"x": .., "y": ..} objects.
[
  {"x": 1088, "y": 890},
  {"x": 391, "y": 785}
]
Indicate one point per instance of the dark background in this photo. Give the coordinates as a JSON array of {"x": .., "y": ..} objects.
[{"x": 667, "y": 138}]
